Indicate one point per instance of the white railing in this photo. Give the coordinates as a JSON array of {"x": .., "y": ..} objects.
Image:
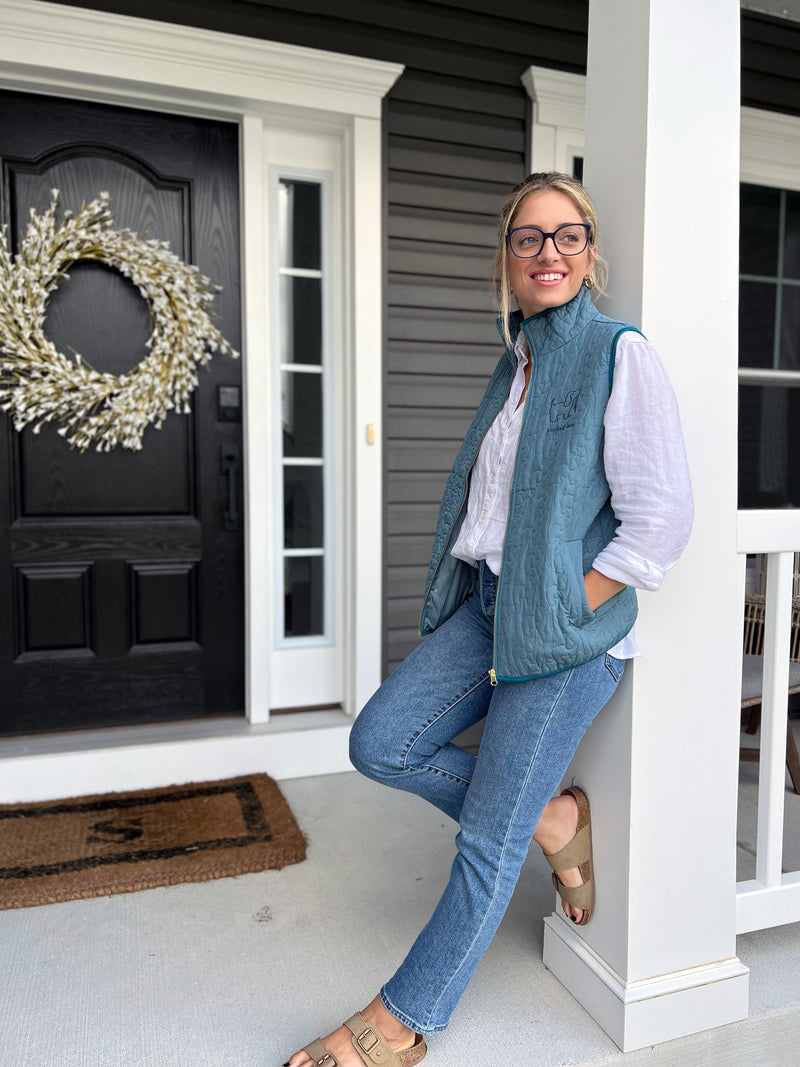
[{"x": 772, "y": 898}]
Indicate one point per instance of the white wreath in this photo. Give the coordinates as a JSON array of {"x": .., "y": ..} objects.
[{"x": 39, "y": 384}]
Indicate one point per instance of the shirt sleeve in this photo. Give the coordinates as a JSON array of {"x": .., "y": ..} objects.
[{"x": 646, "y": 468}]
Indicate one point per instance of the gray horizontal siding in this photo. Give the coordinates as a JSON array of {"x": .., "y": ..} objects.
[{"x": 770, "y": 63}]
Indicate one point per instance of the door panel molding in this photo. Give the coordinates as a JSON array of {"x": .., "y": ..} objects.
[{"x": 43, "y": 632}]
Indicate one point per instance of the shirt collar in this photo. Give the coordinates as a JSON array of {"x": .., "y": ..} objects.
[{"x": 521, "y": 349}]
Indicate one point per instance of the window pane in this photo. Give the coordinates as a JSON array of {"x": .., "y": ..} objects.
[
  {"x": 758, "y": 241},
  {"x": 302, "y": 507},
  {"x": 791, "y": 248},
  {"x": 790, "y": 328},
  {"x": 300, "y": 225},
  {"x": 301, "y": 320},
  {"x": 301, "y": 396},
  {"x": 769, "y": 447},
  {"x": 303, "y": 600},
  {"x": 756, "y": 323}
]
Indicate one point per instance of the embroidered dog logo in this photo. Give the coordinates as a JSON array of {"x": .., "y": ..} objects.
[{"x": 562, "y": 411}]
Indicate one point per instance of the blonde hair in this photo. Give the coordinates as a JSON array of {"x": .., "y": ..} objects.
[{"x": 537, "y": 183}]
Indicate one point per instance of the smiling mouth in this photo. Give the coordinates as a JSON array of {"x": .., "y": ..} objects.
[{"x": 549, "y": 277}]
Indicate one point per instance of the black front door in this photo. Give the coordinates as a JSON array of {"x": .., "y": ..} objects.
[{"x": 122, "y": 572}]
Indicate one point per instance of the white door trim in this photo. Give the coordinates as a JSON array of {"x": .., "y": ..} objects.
[{"x": 58, "y": 50}]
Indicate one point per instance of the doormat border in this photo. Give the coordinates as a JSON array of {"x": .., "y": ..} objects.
[{"x": 271, "y": 840}]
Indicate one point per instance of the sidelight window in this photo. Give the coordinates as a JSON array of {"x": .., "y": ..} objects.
[{"x": 302, "y": 291}]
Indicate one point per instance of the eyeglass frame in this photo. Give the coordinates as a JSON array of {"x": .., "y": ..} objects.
[{"x": 565, "y": 226}]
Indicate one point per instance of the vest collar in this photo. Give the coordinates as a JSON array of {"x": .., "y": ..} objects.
[{"x": 554, "y": 327}]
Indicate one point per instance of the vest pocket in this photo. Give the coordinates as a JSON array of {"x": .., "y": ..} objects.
[{"x": 570, "y": 558}]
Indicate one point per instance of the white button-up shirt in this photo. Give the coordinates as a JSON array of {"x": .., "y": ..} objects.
[{"x": 645, "y": 464}]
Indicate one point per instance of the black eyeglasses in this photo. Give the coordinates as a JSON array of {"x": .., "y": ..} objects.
[{"x": 569, "y": 240}]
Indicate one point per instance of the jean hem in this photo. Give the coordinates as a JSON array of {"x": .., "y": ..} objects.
[{"x": 406, "y": 1020}]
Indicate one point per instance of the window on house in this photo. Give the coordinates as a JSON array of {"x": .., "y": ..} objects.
[
  {"x": 300, "y": 229},
  {"x": 769, "y": 348}
]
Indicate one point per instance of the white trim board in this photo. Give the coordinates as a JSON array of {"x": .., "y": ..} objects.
[
  {"x": 59, "y": 50},
  {"x": 118, "y": 58}
]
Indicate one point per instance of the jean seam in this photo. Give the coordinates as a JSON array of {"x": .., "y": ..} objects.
[
  {"x": 553, "y": 706},
  {"x": 437, "y": 717}
]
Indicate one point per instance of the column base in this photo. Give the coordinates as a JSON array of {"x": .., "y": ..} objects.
[{"x": 638, "y": 1014}]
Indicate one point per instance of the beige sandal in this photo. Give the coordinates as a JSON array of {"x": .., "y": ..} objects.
[
  {"x": 371, "y": 1046},
  {"x": 578, "y": 853}
]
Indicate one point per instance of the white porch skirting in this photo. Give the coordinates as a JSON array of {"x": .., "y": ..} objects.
[
  {"x": 81, "y": 763},
  {"x": 647, "y": 1012}
]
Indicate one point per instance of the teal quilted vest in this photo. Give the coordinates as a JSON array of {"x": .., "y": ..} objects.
[{"x": 560, "y": 515}]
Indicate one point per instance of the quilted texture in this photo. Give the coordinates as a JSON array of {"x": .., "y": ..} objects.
[{"x": 560, "y": 515}]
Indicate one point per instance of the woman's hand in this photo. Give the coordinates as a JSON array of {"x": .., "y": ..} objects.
[{"x": 599, "y": 588}]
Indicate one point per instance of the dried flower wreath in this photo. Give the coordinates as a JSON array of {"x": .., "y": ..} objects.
[{"x": 39, "y": 384}]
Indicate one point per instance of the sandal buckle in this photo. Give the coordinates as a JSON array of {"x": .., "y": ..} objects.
[{"x": 368, "y": 1033}]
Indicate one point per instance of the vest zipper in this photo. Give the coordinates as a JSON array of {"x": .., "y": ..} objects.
[
  {"x": 460, "y": 506},
  {"x": 493, "y": 668}
]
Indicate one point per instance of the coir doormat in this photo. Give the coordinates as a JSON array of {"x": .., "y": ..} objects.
[{"x": 121, "y": 842}]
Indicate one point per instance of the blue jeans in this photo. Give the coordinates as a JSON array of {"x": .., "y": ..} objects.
[{"x": 403, "y": 738}]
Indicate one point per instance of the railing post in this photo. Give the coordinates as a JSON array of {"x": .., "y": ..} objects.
[
  {"x": 660, "y": 763},
  {"x": 774, "y": 720}
]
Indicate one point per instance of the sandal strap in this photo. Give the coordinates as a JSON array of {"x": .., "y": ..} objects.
[
  {"x": 573, "y": 854},
  {"x": 579, "y": 896},
  {"x": 320, "y": 1055},
  {"x": 370, "y": 1043}
]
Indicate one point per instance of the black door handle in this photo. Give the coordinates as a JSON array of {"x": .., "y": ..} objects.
[{"x": 229, "y": 456}]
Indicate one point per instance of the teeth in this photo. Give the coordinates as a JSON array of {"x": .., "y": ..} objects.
[{"x": 548, "y": 277}]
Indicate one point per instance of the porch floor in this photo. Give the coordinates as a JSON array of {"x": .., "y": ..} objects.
[{"x": 243, "y": 971}]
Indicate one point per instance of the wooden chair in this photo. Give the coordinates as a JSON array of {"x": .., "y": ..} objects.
[{"x": 752, "y": 676}]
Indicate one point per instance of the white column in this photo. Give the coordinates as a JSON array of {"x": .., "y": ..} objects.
[{"x": 660, "y": 764}]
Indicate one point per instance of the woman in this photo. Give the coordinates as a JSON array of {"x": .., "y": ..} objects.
[{"x": 570, "y": 489}]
